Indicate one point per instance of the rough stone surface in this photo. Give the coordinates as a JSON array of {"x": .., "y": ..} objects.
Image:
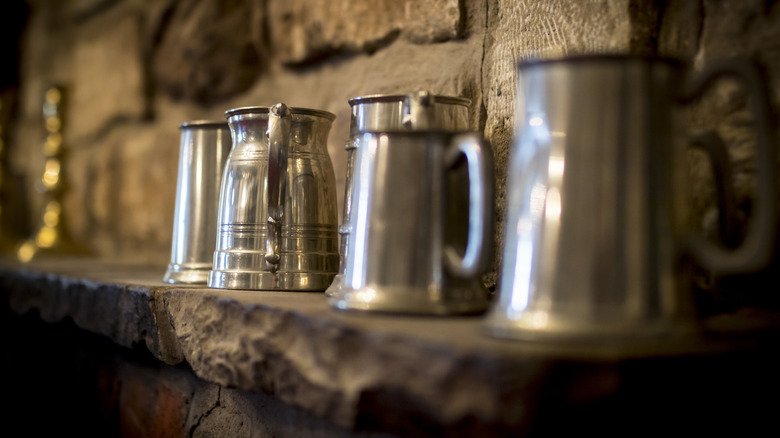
[
  {"x": 198, "y": 60},
  {"x": 304, "y": 30},
  {"x": 411, "y": 376},
  {"x": 100, "y": 390},
  {"x": 102, "y": 205},
  {"x": 106, "y": 53}
]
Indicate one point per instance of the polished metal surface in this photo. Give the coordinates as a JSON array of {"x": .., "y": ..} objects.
[
  {"x": 394, "y": 112},
  {"x": 277, "y": 226},
  {"x": 403, "y": 258},
  {"x": 203, "y": 152},
  {"x": 597, "y": 231}
]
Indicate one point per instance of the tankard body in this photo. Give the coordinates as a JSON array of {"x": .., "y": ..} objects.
[
  {"x": 203, "y": 151},
  {"x": 598, "y": 237},
  {"x": 395, "y": 112},
  {"x": 277, "y": 226},
  {"x": 403, "y": 258}
]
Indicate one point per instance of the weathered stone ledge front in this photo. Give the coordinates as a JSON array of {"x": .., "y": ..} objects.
[{"x": 411, "y": 376}]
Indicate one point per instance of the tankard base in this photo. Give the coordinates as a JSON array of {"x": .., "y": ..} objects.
[
  {"x": 545, "y": 328},
  {"x": 398, "y": 299},
  {"x": 188, "y": 273},
  {"x": 266, "y": 280},
  {"x": 335, "y": 285}
]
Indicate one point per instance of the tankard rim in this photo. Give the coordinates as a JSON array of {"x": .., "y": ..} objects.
[
  {"x": 205, "y": 124},
  {"x": 266, "y": 109},
  {"x": 601, "y": 57},
  {"x": 376, "y": 98}
]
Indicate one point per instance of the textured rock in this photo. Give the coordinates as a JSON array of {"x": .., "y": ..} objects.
[
  {"x": 412, "y": 376},
  {"x": 209, "y": 50},
  {"x": 303, "y": 30},
  {"x": 102, "y": 389},
  {"x": 122, "y": 191},
  {"x": 108, "y": 82}
]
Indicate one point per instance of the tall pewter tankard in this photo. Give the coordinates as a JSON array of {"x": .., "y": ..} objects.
[
  {"x": 401, "y": 259},
  {"x": 203, "y": 151},
  {"x": 394, "y": 112},
  {"x": 598, "y": 245},
  {"x": 277, "y": 226}
]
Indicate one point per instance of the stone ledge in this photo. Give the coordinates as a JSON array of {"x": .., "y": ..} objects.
[{"x": 413, "y": 376}]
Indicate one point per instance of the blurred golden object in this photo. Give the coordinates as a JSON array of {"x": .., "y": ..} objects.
[
  {"x": 12, "y": 212},
  {"x": 51, "y": 236}
]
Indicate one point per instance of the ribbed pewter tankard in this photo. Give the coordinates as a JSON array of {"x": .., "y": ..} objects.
[
  {"x": 599, "y": 245},
  {"x": 277, "y": 226},
  {"x": 395, "y": 112},
  {"x": 203, "y": 152}
]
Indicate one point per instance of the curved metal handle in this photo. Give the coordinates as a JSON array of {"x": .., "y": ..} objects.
[
  {"x": 418, "y": 110},
  {"x": 278, "y": 134},
  {"x": 479, "y": 160},
  {"x": 756, "y": 250},
  {"x": 711, "y": 144}
]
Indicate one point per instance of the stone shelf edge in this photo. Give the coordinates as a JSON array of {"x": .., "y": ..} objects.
[{"x": 394, "y": 372}]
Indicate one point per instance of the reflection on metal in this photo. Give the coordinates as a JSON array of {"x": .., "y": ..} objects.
[{"x": 51, "y": 236}]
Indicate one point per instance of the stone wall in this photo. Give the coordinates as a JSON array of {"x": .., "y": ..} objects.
[{"x": 136, "y": 69}]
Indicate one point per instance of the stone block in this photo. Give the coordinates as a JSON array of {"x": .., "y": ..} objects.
[
  {"x": 303, "y": 30},
  {"x": 146, "y": 193},
  {"x": 108, "y": 81},
  {"x": 121, "y": 192},
  {"x": 210, "y": 50}
]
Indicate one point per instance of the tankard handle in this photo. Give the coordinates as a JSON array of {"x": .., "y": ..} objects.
[
  {"x": 418, "y": 110},
  {"x": 278, "y": 134},
  {"x": 712, "y": 144},
  {"x": 479, "y": 162},
  {"x": 756, "y": 250}
]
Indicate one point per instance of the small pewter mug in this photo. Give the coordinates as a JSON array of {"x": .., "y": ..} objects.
[
  {"x": 277, "y": 226},
  {"x": 203, "y": 151},
  {"x": 402, "y": 259},
  {"x": 395, "y": 112},
  {"x": 598, "y": 243}
]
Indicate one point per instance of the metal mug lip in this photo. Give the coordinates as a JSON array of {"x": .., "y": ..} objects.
[
  {"x": 204, "y": 124},
  {"x": 601, "y": 57},
  {"x": 374, "y": 98},
  {"x": 420, "y": 133},
  {"x": 266, "y": 109}
]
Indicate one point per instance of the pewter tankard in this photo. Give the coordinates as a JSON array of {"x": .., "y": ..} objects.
[
  {"x": 203, "y": 151},
  {"x": 277, "y": 226},
  {"x": 598, "y": 244},
  {"x": 393, "y": 112},
  {"x": 401, "y": 259}
]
